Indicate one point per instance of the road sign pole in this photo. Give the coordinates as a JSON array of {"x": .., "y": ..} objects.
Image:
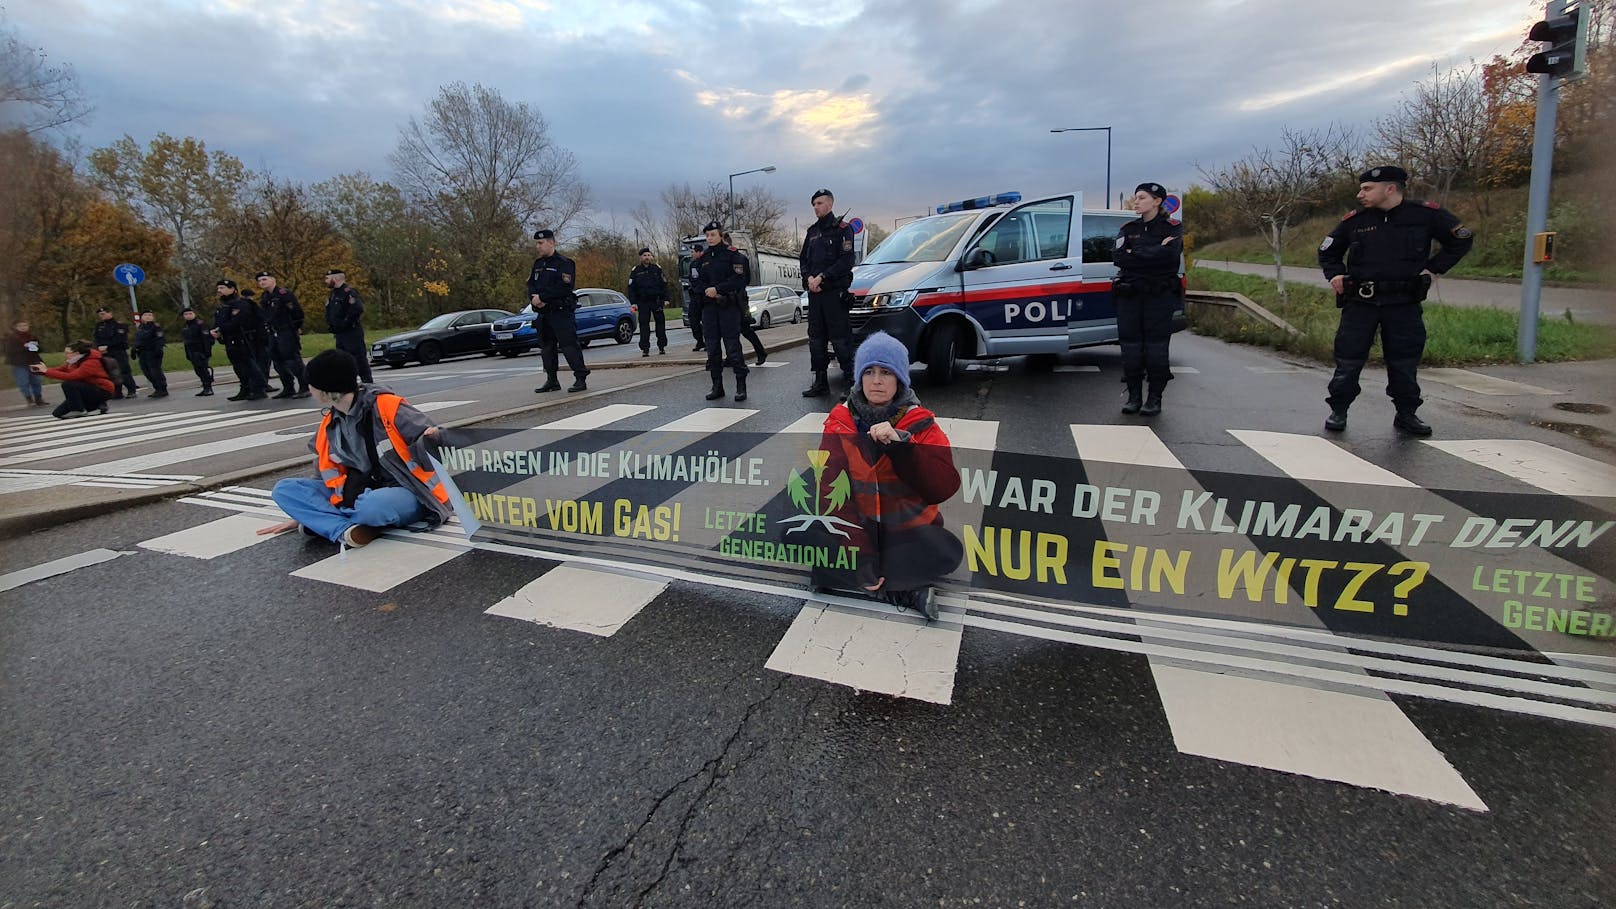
[
  {"x": 1537, "y": 203},
  {"x": 133, "y": 306}
]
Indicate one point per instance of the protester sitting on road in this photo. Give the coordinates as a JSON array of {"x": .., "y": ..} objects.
[
  {"x": 85, "y": 383},
  {"x": 22, "y": 351},
  {"x": 902, "y": 467},
  {"x": 372, "y": 457}
]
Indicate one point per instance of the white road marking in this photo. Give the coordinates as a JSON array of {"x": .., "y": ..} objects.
[
  {"x": 379, "y": 567},
  {"x": 977, "y": 435},
  {"x": 15, "y": 579},
  {"x": 1085, "y": 367},
  {"x": 128, "y": 431},
  {"x": 1184, "y": 370},
  {"x": 771, "y": 364},
  {"x": 1537, "y": 464},
  {"x": 101, "y": 444},
  {"x": 430, "y": 406},
  {"x": 807, "y": 423},
  {"x": 903, "y": 656},
  {"x": 69, "y": 429},
  {"x": 1304, "y": 457},
  {"x": 1113, "y": 444},
  {"x": 213, "y": 539},
  {"x": 707, "y": 420},
  {"x": 1483, "y": 384},
  {"x": 580, "y": 599},
  {"x": 1277, "y": 370},
  {"x": 600, "y": 416}
]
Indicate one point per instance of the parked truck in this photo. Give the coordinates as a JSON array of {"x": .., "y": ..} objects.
[{"x": 768, "y": 266}]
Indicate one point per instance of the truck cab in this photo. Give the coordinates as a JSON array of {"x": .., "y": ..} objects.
[{"x": 993, "y": 277}]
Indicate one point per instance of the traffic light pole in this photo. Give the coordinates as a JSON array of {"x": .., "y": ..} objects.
[{"x": 1537, "y": 206}]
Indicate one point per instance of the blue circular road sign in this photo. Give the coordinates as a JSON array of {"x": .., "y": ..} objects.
[
  {"x": 857, "y": 224},
  {"x": 128, "y": 275}
]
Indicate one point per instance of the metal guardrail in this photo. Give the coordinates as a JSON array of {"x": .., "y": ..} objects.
[{"x": 1230, "y": 300}]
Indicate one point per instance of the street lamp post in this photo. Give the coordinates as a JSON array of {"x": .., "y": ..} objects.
[
  {"x": 1087, "y": 129},
  {"x": 756, "y": 170}
]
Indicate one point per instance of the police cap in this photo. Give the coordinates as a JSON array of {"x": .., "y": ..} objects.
[
  {"x": 821, "y": 192},
  {"x": 102, "y": 310},
  {"x": 226, "y": 282},
  {"x": 713, "y": 225},
  {"x": 1155, "y": 189},
  {"x": 644, "y": 250},
  {"x": 544, "y": 234},
  {"x": 1385, "y": 173},
  {"x": 332, "y": 273}
]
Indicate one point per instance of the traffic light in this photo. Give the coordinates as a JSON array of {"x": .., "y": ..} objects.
[{"x": 1566, "y": 50}]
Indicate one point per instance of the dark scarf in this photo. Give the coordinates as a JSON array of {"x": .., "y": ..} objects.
[{"x": 866, "y": 414}]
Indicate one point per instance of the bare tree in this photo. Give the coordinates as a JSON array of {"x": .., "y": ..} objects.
[
  {"x": 36, "y": 94},
  {"x": 760, "y": 212},
  {"x": 1271, "y": 189},
  {"x": 1440, "y": 131}
]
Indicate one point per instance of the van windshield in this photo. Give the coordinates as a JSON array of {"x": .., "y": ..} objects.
[{"x": 927, "y": 240}]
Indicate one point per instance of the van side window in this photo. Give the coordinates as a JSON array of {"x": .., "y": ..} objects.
[
  {"x": 1100, "y": 236},
  {"x": 1030, "y": 233}
]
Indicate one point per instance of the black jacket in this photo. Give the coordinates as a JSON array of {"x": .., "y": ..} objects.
[
  {"x": 646, "y": 286},
  {"x": 827, "y": 251},
  {"x": 238, "y": 320},
  {"x": 281, "y": 311},
  {"x": 195, "y": 336},
  {"x": 111, "y": 334},
  {"x": 553, "y": 280},
  {"x": 724, "y": 268},
  {"x": 149, "y": 337},
  {"x": 1391, "y": 248},
  {"x": 1141, "y": 251},
  {"x": 343, "y": 309}
]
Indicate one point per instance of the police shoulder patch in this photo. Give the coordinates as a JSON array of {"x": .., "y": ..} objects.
[
  {"x": 1349, "y": 214},
  {"x": 739, "y": 268},
  {"x": 1174, "y": 221},
  {"x": 847, "y": 245},
  {"x": 1462, "y": 232},
  {"x": 1432, "y": 205},
  {"x": 566, "y": 278}
]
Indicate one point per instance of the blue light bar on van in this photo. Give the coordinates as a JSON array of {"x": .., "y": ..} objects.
[{"x": 979, "y": 202}]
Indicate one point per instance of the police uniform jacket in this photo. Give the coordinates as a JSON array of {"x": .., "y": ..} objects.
[
  {"x": 343, "y": 309},
  {"x": 552, "y": 281},
  {"x": 828, "y": 251},
  {"x": 111, "y": 334},
  {"x": 282, "y": 311},
  {"x": 723, "y": 268},
  {"x": 1148, "y": 252},
  {"x": 238, "y": 320},
  {"x": 646, "y": 286},
  {"x": 150, "y": 338},
  {"x": 1385, "y": 251},
  {"x": 195, "y": 335}
]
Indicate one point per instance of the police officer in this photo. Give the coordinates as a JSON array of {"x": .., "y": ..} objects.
[
  {"x": 240, "y": 326},
  {"x": 1387, "y": 273},
  {"x": 284, "y": 316},
  {"x": 827, "y": 271},
  {"x": 150, "y": 339},
  {"x": 648, "y": 291},
  {"x": 1147, "y": 290},
  {"x": 720, "y": 281},
  {"x": 550, "y": 286},
  {"x": 260, "y": 342},
  {"x": 198, "y": 349},
  {"x": 748, "y": 323},
  {"x": 112, "y": 338},
  {"x": 344, "y": 312}
]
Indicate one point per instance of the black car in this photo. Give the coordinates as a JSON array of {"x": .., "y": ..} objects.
[{"x": 453, "y": 334}]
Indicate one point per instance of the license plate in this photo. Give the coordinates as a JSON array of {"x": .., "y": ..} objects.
[{"x": 504, "y": 335}]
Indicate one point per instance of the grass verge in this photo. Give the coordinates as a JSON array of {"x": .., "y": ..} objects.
[{"x": 1456, "y": 336}]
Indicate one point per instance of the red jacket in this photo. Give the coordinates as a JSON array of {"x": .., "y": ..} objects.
[
  {"x": 88, "y": 370},
  {"x": 894, "y": 487}
]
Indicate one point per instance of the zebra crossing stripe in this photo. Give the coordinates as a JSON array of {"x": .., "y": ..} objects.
[
  {"x": 580, "y": 599},
  {"x": 379, "y": 567},
  {"x": 977, "y": 435},
  {"x": 1112, "y": 444},
  {"x": 213, "y": 539},
  {"x": 68, "y": 429},
  {"x": 98, "y": 429},
  {"x": 1536, "y": 464},
  {"x": 100, "y": 444},
  {"x": 707, "y": 420},
  {"x": 599, "y": 417},
  {"x": 1314, "y": 458},
  {"x": 1483, "y": 384},
  {"x": 14, "y": 579},
  {"x": 903, "y": 656}
]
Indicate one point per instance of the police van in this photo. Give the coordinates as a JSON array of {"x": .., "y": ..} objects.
[{"x": 993, "y": 277}]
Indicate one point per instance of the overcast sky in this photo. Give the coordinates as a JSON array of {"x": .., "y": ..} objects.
[{"x": 896, "y": 105}]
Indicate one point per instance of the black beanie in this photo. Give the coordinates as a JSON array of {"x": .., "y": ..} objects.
[{"x": 333, "y": 372}]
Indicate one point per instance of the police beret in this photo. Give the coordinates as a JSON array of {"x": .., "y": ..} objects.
[
  {"x": 821, "y": 192},
  {"x": 644, "y": 250},
  {"x": 713, "y": 225},
  {"x": 544, "y": 234},
  {"x": 1386, "y": 173},
  {"x": 333, "y": 272},
  {"x": 247, "y": 293},
  {"x": 226, "y": 282},
  {"x": 103, "y": 309},
  {"x": 186, "y": 310},
  {"x": 263, "y": 274},
  {"x": 1155, "y": 189}
]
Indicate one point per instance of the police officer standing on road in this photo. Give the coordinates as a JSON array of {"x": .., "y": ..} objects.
[
  {"x": 550, "y": 287},
  {"x": 827, "y": 271},
  {"x": 648, "y": 291},
  {"x": 284, "y": 316},
  {"x": 239, "y": 325},
  {"x": 720, "y": 281},
  {"x": 150, "y": 339},
  {"x": 112, "y": 338},
  {"x": 344, "y": 313},
  {"x": 260, "y": 342},
  {"x": 1387, "y": 273},
  {"x": 749, "y": 324},
  {"x": 1147, "y": 290},
  {"x": 198, "y": 349}
]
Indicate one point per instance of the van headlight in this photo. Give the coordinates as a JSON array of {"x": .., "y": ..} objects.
[{"x": 899, "y": 300}]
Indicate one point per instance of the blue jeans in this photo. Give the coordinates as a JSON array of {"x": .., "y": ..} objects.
[
  {"x": 308, "y": 502},
  {"x": 27, "y": 383}
]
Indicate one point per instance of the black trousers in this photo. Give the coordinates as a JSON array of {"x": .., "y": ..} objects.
[
  {"x": 721, "y": 323},
  {"x": 749, "y": 332},
  {"x": 558, "y": 330},
  {"x": 907, "y": 559},
  {"x": 79, "y": 396},
  {"x": 244, "y": 360},
  {"x": 122, "y": 356},
  {"x": 262, "y": 354},
  {"x": 199, "y": 364},
  {"x": 286, "y": 352},
  {"x": 1402, "y": 343},
  {"x": 649, "y": 313},
  {"x": 827, "y": 322},
  {"x": 693, "y": 310},
  {"x": 353, "y": 341},
  {"x": 1145, "y": 329},
  {"x": 151, "y": 366}
]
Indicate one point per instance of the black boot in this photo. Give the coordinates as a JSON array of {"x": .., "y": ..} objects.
[
  {"x": 718, "y": 390},
  {"x": 285, "y": 392},
  {"x": 578, "y": 384},
  {"x": 1152, "y": 403},
  {"x": 207, "y": 390},
  {"x": 1136, "y": 396},
  {"x": 761, "y": 354},
  {"x": 740, "y": 388},
  {"x": 1414, "y": 426},
  {"x": 820, "y": 388},
  {"x": 551, "y": 383}
]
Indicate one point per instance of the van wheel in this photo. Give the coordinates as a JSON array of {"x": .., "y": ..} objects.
[{"x": 942, "y": 356}]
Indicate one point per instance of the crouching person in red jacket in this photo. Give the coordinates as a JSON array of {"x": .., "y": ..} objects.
[
  {"x": 901, "y": 467},
  {"x": 371, "y": 453},
  {"x": 85, "y": 383}
]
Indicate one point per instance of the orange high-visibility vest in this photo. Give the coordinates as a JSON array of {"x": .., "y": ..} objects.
[
  {"x": 895, "y": 509},
  {"x": 335, "y": 475}
]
